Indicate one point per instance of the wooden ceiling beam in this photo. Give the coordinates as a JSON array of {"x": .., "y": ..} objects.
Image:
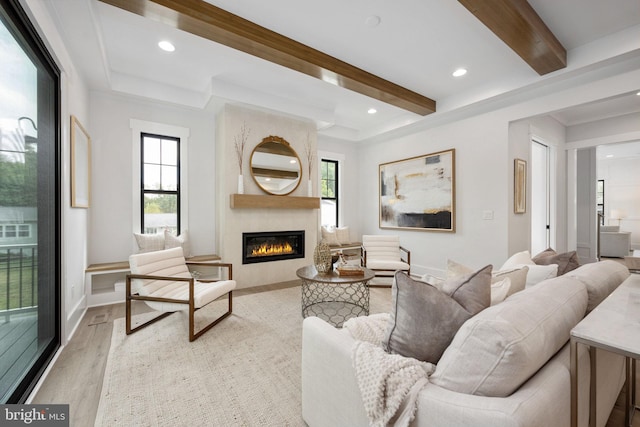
[
  {"x": 517, "y": 24},
  {"x": 205, "y": 20}
]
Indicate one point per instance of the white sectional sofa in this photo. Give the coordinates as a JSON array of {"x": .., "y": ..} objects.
[{"x": 541, "y": 314}]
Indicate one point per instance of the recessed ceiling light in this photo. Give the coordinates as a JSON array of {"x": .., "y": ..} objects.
[
  {"x": 459, "y": 72},
  {"x": 167, "y": 46},
  {"x": 372, "y": 21},
  {"x": 608, "y": 156},
  {"x": 372, "y": 111}
]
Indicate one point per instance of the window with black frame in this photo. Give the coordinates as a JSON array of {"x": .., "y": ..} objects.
[
  {"x": 160, "y": 173},
  {"x": 329, "y": 192}
]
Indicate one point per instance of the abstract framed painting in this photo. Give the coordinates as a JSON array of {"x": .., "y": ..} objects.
[
  {"x": 519, "y": 186},
  {"x": 418, "y": 193}
]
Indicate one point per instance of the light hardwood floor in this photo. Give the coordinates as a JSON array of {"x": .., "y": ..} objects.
[{"x": 76, "y": 377}]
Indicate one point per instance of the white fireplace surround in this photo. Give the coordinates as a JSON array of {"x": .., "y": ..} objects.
[{"x": 232, "y": 222}]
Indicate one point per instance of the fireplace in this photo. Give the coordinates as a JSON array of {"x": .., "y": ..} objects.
[{"x": 272, "y": 246}]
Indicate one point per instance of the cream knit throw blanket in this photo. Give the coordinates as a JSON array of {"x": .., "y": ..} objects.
[{"x": 389, "y": 383}]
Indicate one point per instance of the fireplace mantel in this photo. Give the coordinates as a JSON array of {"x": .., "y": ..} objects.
[{"x": 258, "y": 201}]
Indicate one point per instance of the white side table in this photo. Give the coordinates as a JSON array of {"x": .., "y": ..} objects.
[{"x": 614, "y": 326}]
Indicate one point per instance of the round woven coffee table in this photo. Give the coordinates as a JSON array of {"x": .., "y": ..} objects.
[{"x": 332, "y": 297}]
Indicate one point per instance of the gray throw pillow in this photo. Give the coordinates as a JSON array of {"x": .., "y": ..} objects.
[
  {"x": 566, "y": 261},
  {"x": 425, "y": 318}
]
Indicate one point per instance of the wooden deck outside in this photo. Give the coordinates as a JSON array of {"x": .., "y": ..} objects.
[{"x": 18, "y": 345}]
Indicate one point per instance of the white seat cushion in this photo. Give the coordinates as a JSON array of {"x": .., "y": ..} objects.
[
  {"x": 171, "y": 263},
  {"x": 387, "y": 265},
  {"x": 204, "y": 293}
]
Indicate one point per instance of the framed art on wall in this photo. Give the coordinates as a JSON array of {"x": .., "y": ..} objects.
[
  {"x": 80, "y": 165},
  {"x": 519, "y": 186},
  {"x": 418, "y": 193}
]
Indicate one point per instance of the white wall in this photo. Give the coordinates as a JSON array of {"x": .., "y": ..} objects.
[
  {"x": 480, "y": 185},
  {"x": 111, "y": 222}
]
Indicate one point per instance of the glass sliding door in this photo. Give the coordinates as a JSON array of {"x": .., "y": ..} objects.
[{"x": 29, "y": 205}]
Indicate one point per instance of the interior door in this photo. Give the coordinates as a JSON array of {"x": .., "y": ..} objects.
[{"x": 540, "y": 197}]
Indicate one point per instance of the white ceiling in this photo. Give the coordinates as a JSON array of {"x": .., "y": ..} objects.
[{"x": 418, "y": 44}]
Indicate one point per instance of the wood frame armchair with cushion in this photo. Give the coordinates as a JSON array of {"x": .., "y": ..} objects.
[
  {"x": 162, "y": 280},
  {"x": 384, "y": 255}
]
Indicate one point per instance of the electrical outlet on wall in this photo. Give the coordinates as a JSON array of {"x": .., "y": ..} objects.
[{"x": 488, "y": 215}]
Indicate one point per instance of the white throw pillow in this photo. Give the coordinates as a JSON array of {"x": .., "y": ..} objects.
[
  {"x": 432, "y": 280},
  {"x": 329, "y": 236},
  {"x": 171, "y": 241},
  {"x": 500, "y": 290},
  {"x": 456, "y": 269},
  {"x": 342, "y": 234},
  {"x": 517, "y": 276},
  {"x": 538, "y": 273},
  {"x": 149, "y": 242},
  {"x": 517, "y": 260}
]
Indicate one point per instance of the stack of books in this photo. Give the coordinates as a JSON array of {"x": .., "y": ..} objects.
[{"x": 350, "y": 270}]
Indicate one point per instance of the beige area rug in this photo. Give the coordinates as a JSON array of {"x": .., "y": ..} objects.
[{"x": 243, "y": 372}]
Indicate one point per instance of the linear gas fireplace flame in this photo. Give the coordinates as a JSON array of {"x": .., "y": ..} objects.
[
  {"x": 272, "y": 246},
  {"x": 267, "y": 249}
]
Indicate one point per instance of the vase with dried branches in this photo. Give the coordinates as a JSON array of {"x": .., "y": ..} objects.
[
  {"x": 309, "y": 153},
  {"x": 240, "y": 141}
]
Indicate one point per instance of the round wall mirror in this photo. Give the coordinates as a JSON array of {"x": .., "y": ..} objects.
[{"x": 275, "y": 166}]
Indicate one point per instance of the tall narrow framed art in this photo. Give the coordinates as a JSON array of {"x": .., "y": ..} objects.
[
  {"x": 519, "y": 186},
  {"x": 80, "y": 165},
  {"x": 418, "y": 193}
]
